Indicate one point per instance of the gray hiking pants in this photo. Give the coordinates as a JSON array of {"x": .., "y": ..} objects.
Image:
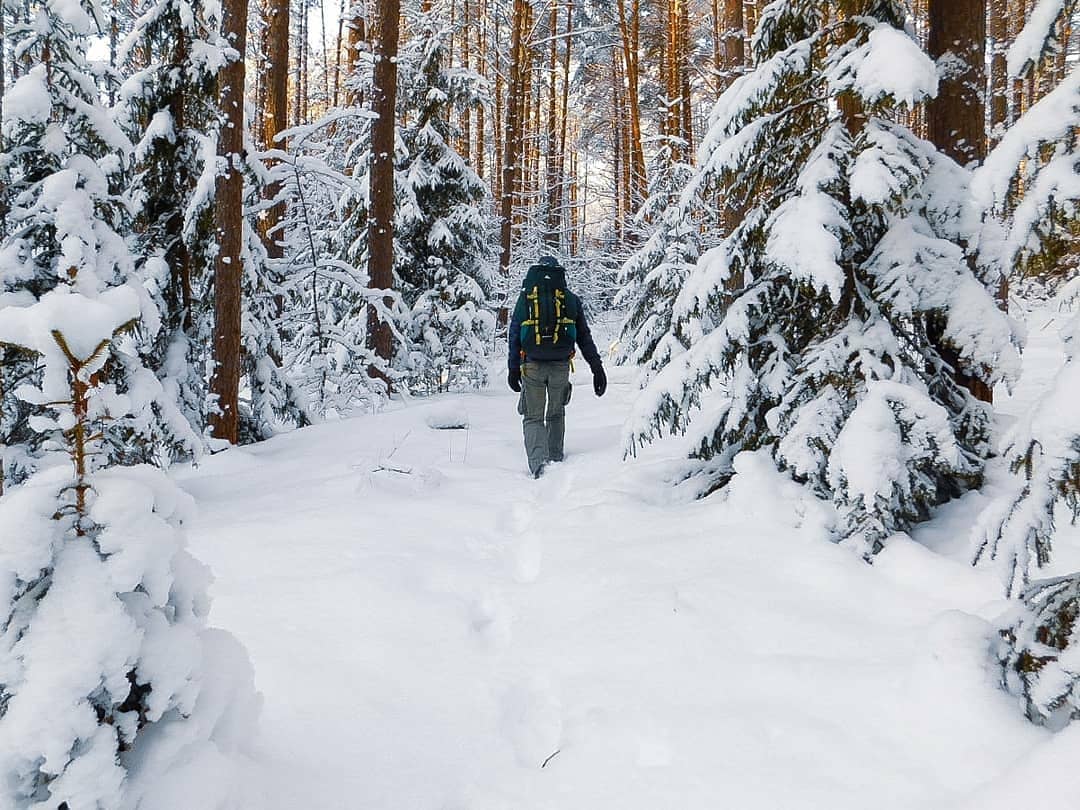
[{"x": 545, "y": 390}]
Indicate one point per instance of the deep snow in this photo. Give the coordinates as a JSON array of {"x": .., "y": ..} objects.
[{"x": 430, "y": 626}]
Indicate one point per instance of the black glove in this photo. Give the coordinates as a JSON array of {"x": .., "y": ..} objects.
[
  {"x": 599, "y": 380},
  {"x": 513, "y": 379}
]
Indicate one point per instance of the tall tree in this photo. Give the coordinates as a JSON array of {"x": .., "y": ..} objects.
[
  {"x": 999, "y": 72},
  {"x": 383, "y": 136},
  {"x": 275, "y": 49},
  {"x": 229, "y": 224},
  {"x": 630, "y": 40},
  {"x": 513, "y": 134}
]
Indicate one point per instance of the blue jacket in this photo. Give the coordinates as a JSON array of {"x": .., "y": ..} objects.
[{"x": 584, "y": 335}]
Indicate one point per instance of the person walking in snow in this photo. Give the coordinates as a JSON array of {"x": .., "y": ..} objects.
[{"x": 547, "y": 321}]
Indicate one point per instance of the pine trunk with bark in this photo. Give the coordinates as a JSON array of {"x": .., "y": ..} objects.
[
  {"x": 357, "y": 44},
  {"x": 999, "y": 73},
  {"x": 229, "y": 221},
  {"x": 630, "y": 27},
  {"x": 381, "y": 219},
  {"x": 956, "y": 118},
  {"x": 734, "y": 65},
  {"x": 275, "y": 115},
  {"x": 512, "y": 137}
]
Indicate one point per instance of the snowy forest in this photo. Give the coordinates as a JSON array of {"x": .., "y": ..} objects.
[{"x": 816, "y": 548}]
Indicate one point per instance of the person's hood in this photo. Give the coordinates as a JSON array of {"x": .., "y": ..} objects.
[{"x": 538, "y": 272}]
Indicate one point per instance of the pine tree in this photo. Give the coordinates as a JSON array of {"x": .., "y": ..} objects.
[{"x": 850, "y": 258}]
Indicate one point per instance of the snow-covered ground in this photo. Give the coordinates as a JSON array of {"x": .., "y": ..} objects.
[{"x": 434, "y": 630}]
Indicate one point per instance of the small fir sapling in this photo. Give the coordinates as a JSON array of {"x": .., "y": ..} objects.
[
  {"x": 452, "y": 330},
  {"x": 274, "y": 398},
  {"x": 110, "y": 681}
]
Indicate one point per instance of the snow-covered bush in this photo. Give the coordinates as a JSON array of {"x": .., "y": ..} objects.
[
  {"x": 1018, "y": 529},
  {"x": 323, "y": 273},
  {"x": 857, "y": 317},
  {"x": 1039, "y": 651},
  {"x": 113, "y": 693}
]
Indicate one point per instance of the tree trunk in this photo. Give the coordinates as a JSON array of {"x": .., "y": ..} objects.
[
  {"x": 682, "y": 61},
  {"x": 498, "y": 126},
  {"x": 180, "y": 258},
  {"x": 551, "y": 194},
  {"x": 357, "y": 24},
  {"x": 999, "y": 78},
  {"x": 955, "y": 118},
  {"x": 956, "y": 121},
  {"x": 512, "y": 138},
  {"x": 381, "y": 219},
  {"x": 617, "y": 156},
  {"x": 630, "y": 26},
  {"x": 480, "y": 162},
  {"x": 466, "y": 61},
  {"x": 1017, "y": 16},
  {"x": 337, "y": 53},
  {"x": 228, "y": 266},
  {"x": 734, "y": 66},
  {"x": 276, "y": 113},
  {"x": 564, "y": 114},
  {"x": 734, "y": 43}
]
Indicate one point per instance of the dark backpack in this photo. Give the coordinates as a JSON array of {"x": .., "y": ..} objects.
[{"x": 547, "y": 312}]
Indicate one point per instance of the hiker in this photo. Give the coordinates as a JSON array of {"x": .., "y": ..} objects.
[{"x": 547, "y": 321}]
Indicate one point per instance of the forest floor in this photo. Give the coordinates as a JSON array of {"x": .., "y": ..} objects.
[{"x": 434, "y": 630}]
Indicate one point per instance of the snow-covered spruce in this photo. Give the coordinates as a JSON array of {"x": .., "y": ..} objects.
[
  {"x": 652, "y": 278},
  {"x": 446, "y": 263},
  {"x": 1033, "y": 172},
  {"x": 858, "y": 319},
  {"x": 1039, "y": 651},
  {"x": 113, "y": 691},
  {"x": 169, "y": 109},
  {"x": 65, "y": 227}
]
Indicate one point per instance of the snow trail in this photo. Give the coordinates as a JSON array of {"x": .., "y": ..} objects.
[{"x": 434, "y": 629}]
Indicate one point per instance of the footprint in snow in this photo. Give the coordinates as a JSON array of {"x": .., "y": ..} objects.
[
  {"x": 492, "y": 619},
  {"x": 532, "y": 721},
  {"x": 516, "y": 519},
  {"x": 527, "y": 557}
]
